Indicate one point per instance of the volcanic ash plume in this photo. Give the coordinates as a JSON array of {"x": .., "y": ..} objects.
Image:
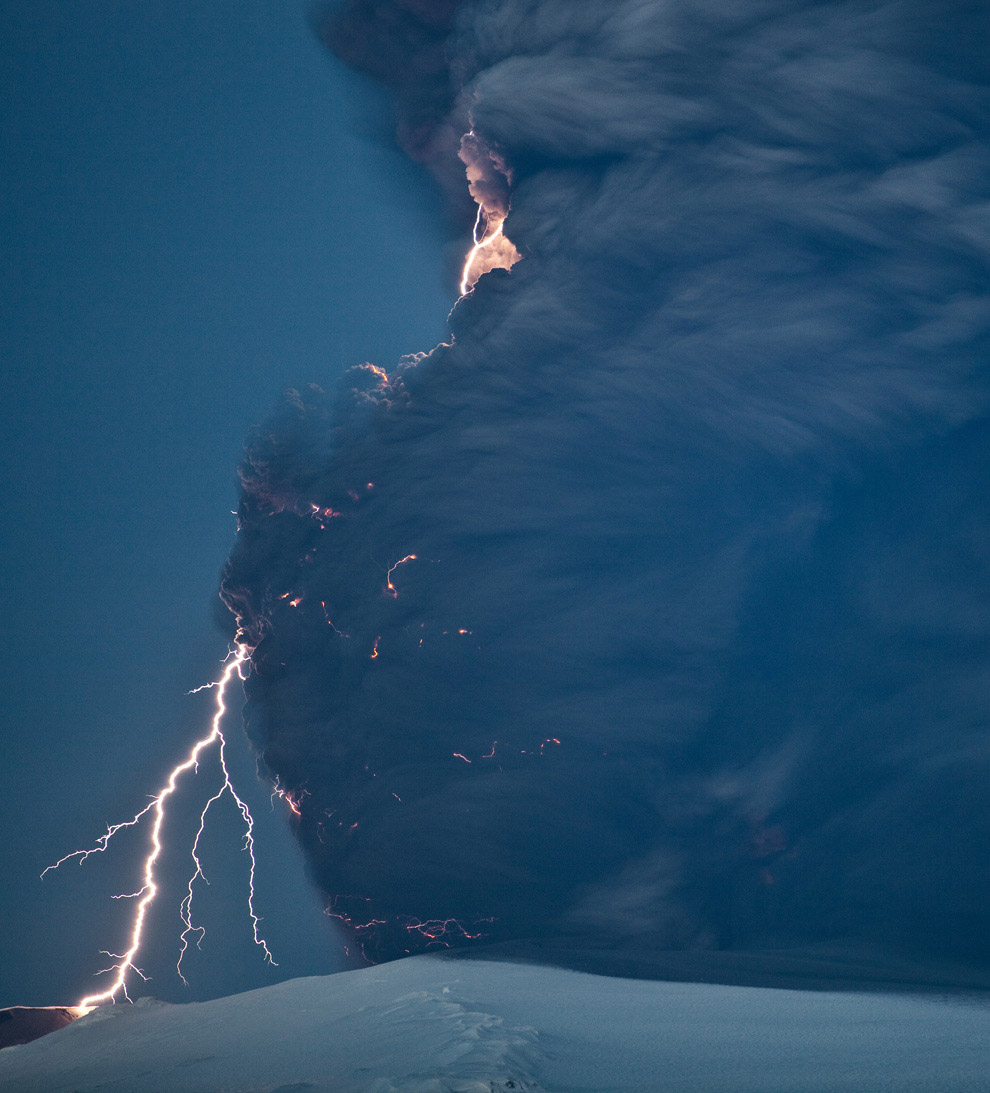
[{"x": 651, "y": 608}]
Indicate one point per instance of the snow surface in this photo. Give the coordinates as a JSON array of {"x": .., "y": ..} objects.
[{"x": 433, "y": 1025}]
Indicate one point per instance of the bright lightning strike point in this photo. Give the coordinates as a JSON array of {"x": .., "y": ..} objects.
[{"x": 149, "y": 889}]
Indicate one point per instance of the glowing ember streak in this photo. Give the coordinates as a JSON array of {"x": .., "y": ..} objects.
[
  {"x": 329, "y": 621},
  {"x": 284, "y": 795},
  {"x": 436, "y": 929},
  {"x": 457, "y": 755},
  {"x": 293, "y": 807},
  {"x": 149, "y": 889},
  {"x": 389, "y": 587},
  {"x": 374, "y": 650}
]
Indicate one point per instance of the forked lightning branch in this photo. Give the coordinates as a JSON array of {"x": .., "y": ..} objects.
[
  {"x": 145, "y": 895},
  {"x": 490, "y": 250}
]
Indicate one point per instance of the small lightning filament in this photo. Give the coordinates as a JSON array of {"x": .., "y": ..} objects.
[{"x": 389, "y": 587}]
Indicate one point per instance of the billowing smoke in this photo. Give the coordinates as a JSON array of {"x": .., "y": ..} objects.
[
  {"x": 687, "y": 646},
  {"x": 402, "y": 44}
]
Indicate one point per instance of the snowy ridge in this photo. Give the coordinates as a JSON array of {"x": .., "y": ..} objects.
[
  {"x": 479, "y": 1052},
  {"x": 433, "y": 1025},
  {"x": 357, "y": 1032}
]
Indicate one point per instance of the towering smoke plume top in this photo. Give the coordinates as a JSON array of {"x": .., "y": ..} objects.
[
  {"x": 488, "y": 183},
  {"x": 687, "y": 645},
  {"x": 402, "y": 44}
]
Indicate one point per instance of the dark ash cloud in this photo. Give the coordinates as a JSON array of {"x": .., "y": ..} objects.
[
  {"x": 696, "y": 489},
  {"x": 402, "y": 44}
]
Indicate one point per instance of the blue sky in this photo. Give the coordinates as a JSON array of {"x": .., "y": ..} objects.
[{"x": 197, "y": 216}]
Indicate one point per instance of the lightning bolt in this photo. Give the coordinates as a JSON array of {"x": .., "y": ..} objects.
[
  {"x": 149, "y": 889},
  {"x": 487, "y": 228}
]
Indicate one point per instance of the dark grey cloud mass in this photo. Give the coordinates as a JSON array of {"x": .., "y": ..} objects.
[{"x": 696, "y": 489}]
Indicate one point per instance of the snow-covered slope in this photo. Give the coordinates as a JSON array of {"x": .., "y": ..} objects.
[{"x": 429, "y": 1025}]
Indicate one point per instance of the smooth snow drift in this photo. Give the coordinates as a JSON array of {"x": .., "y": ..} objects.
[{"x": 430, "y": 1025}]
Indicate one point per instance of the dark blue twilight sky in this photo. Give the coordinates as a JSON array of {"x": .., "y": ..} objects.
[{"x": 195, "y": 218}]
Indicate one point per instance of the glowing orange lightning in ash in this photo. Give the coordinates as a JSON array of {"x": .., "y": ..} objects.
[
  {"x": 389, "y": 587},
  {"x": 149, "y": 889}
]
